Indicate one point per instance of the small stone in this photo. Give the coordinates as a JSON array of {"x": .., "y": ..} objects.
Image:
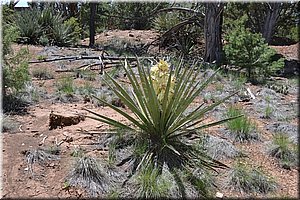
[
  {"x": 26, "y": 169},
  {"x": 219, "y": 195},
  {"x": 22, "y": 144}
]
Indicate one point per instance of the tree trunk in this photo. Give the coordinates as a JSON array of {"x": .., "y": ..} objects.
[
  {"x": 270, "y": 20},
  {"x": 212, "y": 31},
  {"x": 73, "y": 9},
  {"x": 93, "y": 7}
]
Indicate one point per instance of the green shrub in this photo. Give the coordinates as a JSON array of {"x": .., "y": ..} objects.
[
  {"x": 10, "y": 34},
  {"x": 8, "y": 14},
  {"x": 249, "y": 180},
  {"x": 250, "y": 52},
  {"x": 160, "y": 121},
  {"x": 87, "y": 89},
  {"x": 42, "y": 74},
  {"x": 66, "y": 86},
  {"x": 27, "y": 22},
  {"x": 62, "y": 35},
  {"x": 241, "y": 127},
  {"x": 152, "y": 184},
  {"x": 165, "y": 21},
  {"x": 75, "y": 28},
  {"x": 54, "y": 28},
  {"x": 283, "y": 149},
  {"x": 268, "y": 111},
  {"x": 15, "y": 72},
  {"x": 44, "y": 40}
]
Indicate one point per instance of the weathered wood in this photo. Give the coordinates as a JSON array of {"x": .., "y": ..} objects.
[
  {"x": 87, "y": 58},
  {"x": 56, "y": 120},
  {"x": 93, "y": 7},
  {"x": 212, "y": 31},
  {"x": 270, "y": 20}
]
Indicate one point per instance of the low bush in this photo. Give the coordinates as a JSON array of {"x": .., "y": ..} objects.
[
  {"x": 249, "y": 51},
  {"x": 283, "y": 149},
  {"x": 241, "y": 128},
  {"x": 151, "y": 184},
  {"x": 75, "y": 28},
  {"x": 15, "y": 72},
  {"x": 245, "y": 179},
  {"x": 42, "y": 74},
  {"x": 66, "y": 85}
]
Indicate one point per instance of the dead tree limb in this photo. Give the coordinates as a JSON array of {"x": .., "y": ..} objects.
[{"x": 87, "y": 57}]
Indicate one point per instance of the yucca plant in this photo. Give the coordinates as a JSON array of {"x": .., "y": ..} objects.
[
  {"x": 28, "y": 25},
  {"x": 159, "y": 99},
  {"x": 61, "y": 35}
]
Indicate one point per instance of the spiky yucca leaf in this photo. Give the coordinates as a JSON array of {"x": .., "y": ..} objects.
[{"x": 162, "y": 124}]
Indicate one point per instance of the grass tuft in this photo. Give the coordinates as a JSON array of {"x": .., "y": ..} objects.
[
  {"x": 241, "y": 128},
  {"x": 284, "y": 150},
  {"x": 87, "y": 173},
  {"x": 248, "y": 180},
  {"x": 66, "y": 86},
  {"x": 151, "y": 184},
  {"x": 40, "y": 156},
  {"x": 42, "y": 74}
]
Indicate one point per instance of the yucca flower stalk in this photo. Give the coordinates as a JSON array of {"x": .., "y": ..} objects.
[{"x": 160, "y": 97}]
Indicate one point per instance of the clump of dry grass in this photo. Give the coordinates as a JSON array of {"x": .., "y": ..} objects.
[
  {"x": 245, "y": 179},
  {"x": 87, "y": 173},
  {"x": 40, "y": 156}
]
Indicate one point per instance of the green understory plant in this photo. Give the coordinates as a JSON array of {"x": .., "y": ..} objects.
[
  {"x": 249, "y": 51},
  {"x": 242, "y": 127},
  {"x": 66, "y": 86},
  {"x": 149, "y": 186},
  {"x": 42, "y": 74},
  {"x": 283, "y": 149},
  {"x": 159, "y": 120},
  {"x": 249, "y": 180}
]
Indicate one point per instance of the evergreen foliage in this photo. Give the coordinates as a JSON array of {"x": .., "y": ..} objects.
[{"x": 248, "y": 51}]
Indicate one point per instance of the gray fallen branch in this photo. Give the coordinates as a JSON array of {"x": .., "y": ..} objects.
[
  {"x": 87, "y": 57},
  {"x": 107, "y": 66}
]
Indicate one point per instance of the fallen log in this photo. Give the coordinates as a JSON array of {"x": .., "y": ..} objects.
[{"x": 88, "y": 57}]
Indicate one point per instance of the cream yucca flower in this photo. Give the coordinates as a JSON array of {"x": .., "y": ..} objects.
[{"x": 160, "y": 75}]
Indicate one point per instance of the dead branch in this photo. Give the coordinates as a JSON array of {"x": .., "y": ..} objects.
[{"x": 88, "y": 57}]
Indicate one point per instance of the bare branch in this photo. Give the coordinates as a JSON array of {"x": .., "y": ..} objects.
[{"x": 87, "y": 57}]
